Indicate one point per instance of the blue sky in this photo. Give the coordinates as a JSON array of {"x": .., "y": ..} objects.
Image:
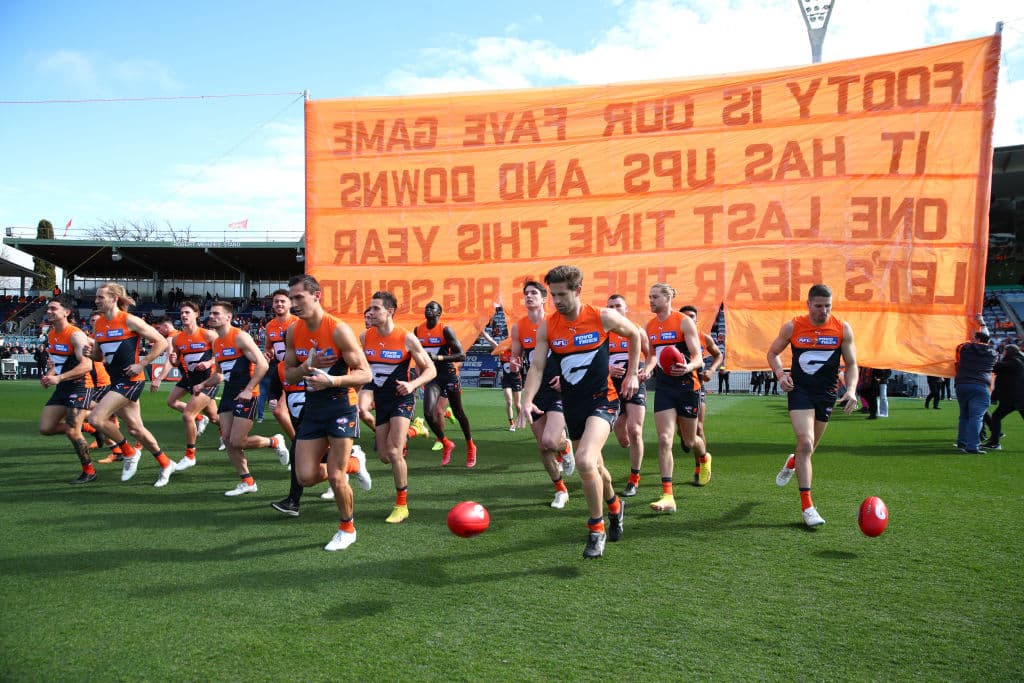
[{"x": 204, "y": 163}]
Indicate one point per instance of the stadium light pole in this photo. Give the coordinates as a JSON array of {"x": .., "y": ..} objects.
[{"x": 816, "y": 14}]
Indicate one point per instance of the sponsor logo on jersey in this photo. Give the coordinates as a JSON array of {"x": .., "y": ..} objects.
[
  {"x": 61, "y": 348},
  {"x": 668, "y": 336},
  {"x": 391, "y": 354},
  {"x": 586, "y": 338},
  {"x": 198, "y": 346},
  {"x": 828, "y": 341},
  {"x": 119, "y": 332}
]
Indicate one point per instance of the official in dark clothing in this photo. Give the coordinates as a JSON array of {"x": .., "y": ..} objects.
[
  {"x": 1009, "y": 392},
  {"x": 934, "y": 391},
  {"x": 974, "y": 362}
]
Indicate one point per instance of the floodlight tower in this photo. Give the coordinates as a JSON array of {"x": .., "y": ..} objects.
[{"x": 816, "y": 14}]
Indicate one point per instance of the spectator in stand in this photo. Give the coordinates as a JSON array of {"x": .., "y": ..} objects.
[
  {"x": 40, "y": 356},
  {"x": 1009, "y": 392},
  {"x": 723, "y": 380}
]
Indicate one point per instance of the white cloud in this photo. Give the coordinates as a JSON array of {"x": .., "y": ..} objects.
[
  {"x": 75, "y": 68},
  {"x": 99, "y": 75},
  {"x": 659, "y": 39}
]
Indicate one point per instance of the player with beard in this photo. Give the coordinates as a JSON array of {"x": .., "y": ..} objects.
[{"x": 577, "y": 336}]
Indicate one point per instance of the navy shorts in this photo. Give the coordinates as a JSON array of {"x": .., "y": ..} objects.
[
  {"x": 512, "y": 380},
  {"x": 548, "y": 400},
  {"x": 395, "y": 406},
  {"x": 685, "y": 401},
  {"x": 638, "y": 399},
  {"x": 130, "y": 390},
  {"x": 327, "y": 421},
  {"x": 821, "y": 404},
  {"x": 70, "y": 396},
  {"x": 578, "y": 412},
  {"x": 97, "y": 393},
  {"x": 243, "y": 408}
]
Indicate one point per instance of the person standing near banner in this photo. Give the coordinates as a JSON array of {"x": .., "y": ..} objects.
[
  {"x": 819, "y": 342},
  {"x": 390, "y": 350},
  {"x": 577, "y": 336}
]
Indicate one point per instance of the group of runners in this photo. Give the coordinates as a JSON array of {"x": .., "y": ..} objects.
[{"x": 574, "y": 376}]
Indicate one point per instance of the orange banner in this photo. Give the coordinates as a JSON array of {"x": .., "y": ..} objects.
[{"x": 870, "y": 175}]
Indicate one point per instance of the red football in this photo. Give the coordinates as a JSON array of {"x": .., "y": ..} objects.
[
  {"x": 668, "y": 357},
  {"x": 468, "y": 519},
  {"x": 873, "y": 517}
]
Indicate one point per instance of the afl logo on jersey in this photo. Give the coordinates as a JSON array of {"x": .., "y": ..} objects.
[
  {"x": 527, "y": 340},
  {"x": 805, "y": 340},
  {"x": 559, "y": 343},
  {"x": 586, "y": 338}
]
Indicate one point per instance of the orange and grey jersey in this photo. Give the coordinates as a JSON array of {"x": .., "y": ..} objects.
[
  {"x": 527, "y": 331},
  {"x": 119, "y": 345},
  {"x": 233, "y": 364},
  {"x": 62, "y": 354},
  {"x": 99, "y": 374},
  {"x": 618, "y": 353},
  {"x": 434, "y": 342},
  {"x": 581, "y": 348},
  {"x": 276, "y": 331},
  {"x": 817, "y": 351},
  {"x": 321, "y": 341},
  {"x": 294, "y": 394},
  {"x": 388, "y": 358},
  {"x": 668, "y": 332},
  {"x": 193, "y": 349}
]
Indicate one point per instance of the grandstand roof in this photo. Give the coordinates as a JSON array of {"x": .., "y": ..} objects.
[
  {"x": 11, "y": 269},
  {"x": 178, "y": 260}
]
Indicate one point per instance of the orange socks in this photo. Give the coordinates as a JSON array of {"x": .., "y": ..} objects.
[
  {"x": 634, "y": 477},
  {"x": 352, "y": 467},
  {"x": 347, "y": 525},
  {"x": 162, "y": 459},
  {"x": 402, "y": 496},
  {"x": 560, "y": 486},
  {"x": 247, "y": 479},
  {"x": 88, "y": 428},
  {"x": 805, "y": 499},
  {"x": 596, "y": 525},
  {"x": 127, "y": 449},
  {"x": 666, "y": 486},
  {"x": 614, "y": 505}
]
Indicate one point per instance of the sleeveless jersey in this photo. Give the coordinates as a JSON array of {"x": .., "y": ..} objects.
[
  {"x": 669, "y": 333},
  {"x": 433, "y": 341},
  {"x": 581, "y": 347},
  {"x": 120, "y": 346},
  {"x": 816, "y": 354},
  {"x": 389, "y": 360},
  {"x": 294, "y": 394},
  {"x": 193, "y": 349},
  {"x": 99, "y": 374},
  {"x": 527, "y": 339},
  {"x": 276, "y": 331},
  {"x": 62, "y": 353},
  {"x": 236, "y": 368},
  {"x": 306, "y": 341}
]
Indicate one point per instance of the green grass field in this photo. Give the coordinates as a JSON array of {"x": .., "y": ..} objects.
[{"x": 121, "y": 581}]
